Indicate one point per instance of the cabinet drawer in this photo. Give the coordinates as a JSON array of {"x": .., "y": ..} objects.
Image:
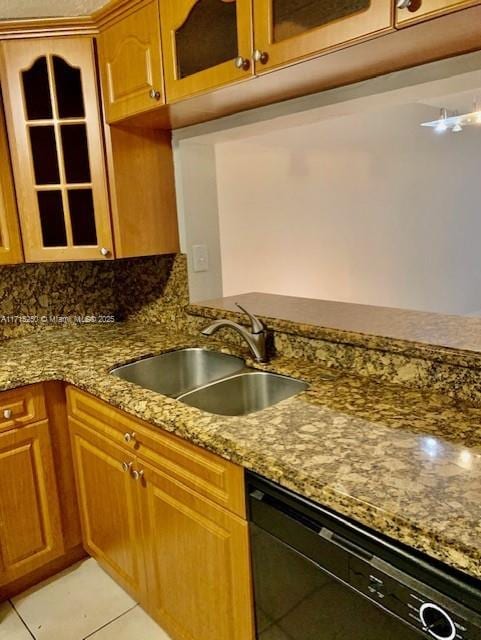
[
  {"x": 21, "y": 406},
  {"x": 208, "y": 474}
]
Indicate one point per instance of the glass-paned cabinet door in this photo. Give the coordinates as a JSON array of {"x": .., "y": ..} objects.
[
  {"x": 206, "y": 44},
  {"x": 409, "y": 11},
  {"x": 10, "y": 243},
  {"x": 53, "y": 115},
  {"x": 289, "y": 30}
]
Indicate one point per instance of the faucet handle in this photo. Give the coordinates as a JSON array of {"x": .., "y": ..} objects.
[{"x": 257, "y": 326}]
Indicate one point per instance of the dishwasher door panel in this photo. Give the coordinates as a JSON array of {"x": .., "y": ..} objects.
[{"x": 297, "y": 600}]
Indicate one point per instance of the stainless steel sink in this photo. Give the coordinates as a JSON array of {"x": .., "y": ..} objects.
[
  {"x": 244, "y": 393},
  {"x": 176, "y": 372}
]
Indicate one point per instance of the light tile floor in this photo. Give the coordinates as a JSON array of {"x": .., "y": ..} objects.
[{"x": 81, "y": 602}]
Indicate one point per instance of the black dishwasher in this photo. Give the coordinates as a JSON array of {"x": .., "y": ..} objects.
[{"x": 320, "y": 576}]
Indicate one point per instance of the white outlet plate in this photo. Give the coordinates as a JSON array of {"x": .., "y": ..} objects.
[{"x": 200, "y": 257}]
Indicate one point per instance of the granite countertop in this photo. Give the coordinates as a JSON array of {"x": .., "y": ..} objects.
[
  {"x": 435, "y": 336},
  {"x": 404, "y": 462}
]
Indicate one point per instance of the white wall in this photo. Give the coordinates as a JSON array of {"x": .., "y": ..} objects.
[
  {"x": 196, "y": 188},
  {"x": 367, "y": 208}
]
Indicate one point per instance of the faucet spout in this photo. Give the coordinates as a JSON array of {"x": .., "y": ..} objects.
[{"x": 256, "y": 338}]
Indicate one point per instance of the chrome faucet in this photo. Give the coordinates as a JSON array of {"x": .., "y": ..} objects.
[{"x": 255, "y": 338}]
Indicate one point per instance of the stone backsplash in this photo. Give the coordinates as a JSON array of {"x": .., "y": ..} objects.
[
  {"x": 154, "y": 290},
  {"x": 460, "y": 381},
  {"x": 39, "y": 296}
]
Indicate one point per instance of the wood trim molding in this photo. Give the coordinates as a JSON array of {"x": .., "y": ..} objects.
[
  {"x": 114, "y": 11},
  {"x": 47, "y": 27},
  {"x": 68, "y": 26}
]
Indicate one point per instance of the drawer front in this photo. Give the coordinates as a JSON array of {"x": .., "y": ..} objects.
[
  {"x": 208, "y": 474},
  {"x": 21, "y": 406}
]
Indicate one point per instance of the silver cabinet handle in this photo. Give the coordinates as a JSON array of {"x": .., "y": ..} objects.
[
  {"x": 403, "y": 4},
  {"x": 242, "y": 63},
  {"x": 7, "y": 414},
  {"x": 261, "y": 56},
  {"x": 104, "y": 251},
  {"x": 137, "y": 475},
  {"x": 126, "y": 466},
  {"x": 129, "y": 437},
  {"x": 155, "y": 95}
]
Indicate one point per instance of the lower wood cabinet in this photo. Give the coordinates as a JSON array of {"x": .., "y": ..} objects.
[
  {"x": 181, "y": 554},
  {"x": 197, "y": 562},
  {"x": 39, "y": 525},
  {"x": 109, "y": 507},
  {"x": 30, "y": 525}
]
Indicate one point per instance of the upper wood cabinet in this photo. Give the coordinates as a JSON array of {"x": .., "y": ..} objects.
[
  {"x": 10, "y": 244},
  {"x": 130, "y": 63},
  {"x": 52, "y": 111},
  {"x": 289, "y": 30},
  {"x": 70, "y": 206},
  {"x": 417, "y": 10},
  {"x": 206, "y": 44}
]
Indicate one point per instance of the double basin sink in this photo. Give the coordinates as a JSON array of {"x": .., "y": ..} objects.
[{"x": 209, "y": 380}]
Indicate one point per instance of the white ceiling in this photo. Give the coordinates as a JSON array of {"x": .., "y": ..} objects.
[{"x": 11, "y": 9}]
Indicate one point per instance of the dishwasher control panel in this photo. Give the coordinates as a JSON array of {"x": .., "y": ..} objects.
[{"x": 440, "y": 619}]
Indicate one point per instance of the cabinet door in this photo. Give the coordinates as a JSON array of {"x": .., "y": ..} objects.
[
  {"x": 417, "y": 10},
  {"x": 53, "y": 116},
  {"x": 131, "y": 64},
  {"x": 206, "y": 43},
  {"x": 10, "y": 245},
  {"x": 197, "y": 562},
  {"x": 30, "y": 526},
  {"x": 289, "y": 30},
  {"x": 109, "y": 509}
]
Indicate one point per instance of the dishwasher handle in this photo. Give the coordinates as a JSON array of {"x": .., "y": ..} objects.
[
  {"x": 344, "y": 543},
  {"x": 332, "y": 537}
]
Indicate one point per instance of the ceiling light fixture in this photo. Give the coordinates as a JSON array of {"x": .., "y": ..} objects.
[{"x": 454, "y": 122}]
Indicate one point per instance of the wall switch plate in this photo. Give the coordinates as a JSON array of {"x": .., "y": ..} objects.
[{"x": 200, "y": 257}]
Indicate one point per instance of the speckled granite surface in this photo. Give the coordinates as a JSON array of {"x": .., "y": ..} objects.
[
  {"x": 37, "y": 296},
  {"x": 412, "y": 361},
  {"x": 405, "y": 462},
  {"x": 435, "y": 336}
]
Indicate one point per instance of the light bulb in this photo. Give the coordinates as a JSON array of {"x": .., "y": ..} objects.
[
  {"x": 457, "y": 128},
  {"x": 440, "y": 127}
]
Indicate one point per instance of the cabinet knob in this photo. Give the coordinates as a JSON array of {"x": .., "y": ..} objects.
[
  {"x": 137, "y": 475},
  {"x": 403, "y": 4},
  {"x": 7, "y": 414},
  {"x": 155, "y": 95},
  {"x": 126, "y": 466},
  {"x": 104, "y": 251},
  {"x": 242, "y": 63},
  {"x": 261, "y": 56},
  {"x": 129, "y": 437}
]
